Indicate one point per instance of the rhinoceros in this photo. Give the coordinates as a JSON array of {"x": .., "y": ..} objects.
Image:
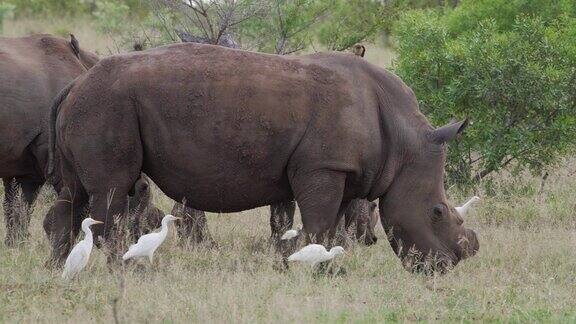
[
  {"x": 33, "y": 70},
  {"x": 194, "y": 226},
  {"x": 230, "y": 130}
]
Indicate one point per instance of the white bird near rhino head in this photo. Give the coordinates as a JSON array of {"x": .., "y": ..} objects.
[
  {"x": 80, "y": 254},
  {"x": 462, "y": 210},
  {"x": 315, "y": 253},
  {"x": 147, "y": 244}
]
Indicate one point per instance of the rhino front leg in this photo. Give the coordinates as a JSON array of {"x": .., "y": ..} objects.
[
  {"x": 319, "y": 196},
  {"x": 19, "y": 195}
]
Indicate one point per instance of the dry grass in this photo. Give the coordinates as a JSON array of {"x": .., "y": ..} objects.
[
  {"x": 84, "y": 30},
  {"x": 525, "y": 271}
]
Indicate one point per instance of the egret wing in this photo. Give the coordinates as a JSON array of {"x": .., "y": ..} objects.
[
  {"x": 76, "y": 261},
  {"x": 143, "y": 246},
  {"x": 310, "y": 254}
]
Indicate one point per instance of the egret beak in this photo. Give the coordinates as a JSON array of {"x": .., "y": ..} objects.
[{"x": 98, "y": 222}]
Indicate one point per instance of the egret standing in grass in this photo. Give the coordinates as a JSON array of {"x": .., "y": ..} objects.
[
  {"x": 147, "y": 244},
  {"x": 78, "y": 257},
  {"x": 462, "y": 210},
  {"x": 315, "y": 253}
]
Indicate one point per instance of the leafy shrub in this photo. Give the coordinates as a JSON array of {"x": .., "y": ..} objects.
[
  {"x": 509, "y": 66},
  {"x": 111, "y": 16},
  {"x": 351, "y": 22},
  {"x": 6, "y": 11}
]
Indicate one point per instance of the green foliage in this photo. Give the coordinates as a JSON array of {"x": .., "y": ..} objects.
[
  {"x": 70, "y": 7},
  {"x": 509, "y": 66},
  {"x": 6, "y": 11},
  {"x": 286, "y": 26},
  {"x": 280, "y": 26},
  {"x": 62, "y": 7},
  {"x": 111, "y": 16},
  {"x": 351, "y": 22}
]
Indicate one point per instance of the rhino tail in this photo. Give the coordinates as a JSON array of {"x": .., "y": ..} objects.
[{"x": 52, "y": 127}]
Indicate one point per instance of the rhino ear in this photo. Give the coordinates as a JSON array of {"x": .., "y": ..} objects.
[{"x": 449, "y": 132}]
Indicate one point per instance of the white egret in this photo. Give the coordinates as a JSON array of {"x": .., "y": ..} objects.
[
  {"x": 147, "y": 244},
  {"x": 78, "y": 257},
  {"x": 462, "y": 210},
  {"x": 315, "y": 253},
  {"x": 290, "y": 234}
]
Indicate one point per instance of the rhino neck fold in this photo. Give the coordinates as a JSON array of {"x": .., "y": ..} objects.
[{"x": 401, "y": 144}]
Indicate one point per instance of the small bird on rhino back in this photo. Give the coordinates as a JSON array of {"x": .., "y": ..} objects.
[{"x": 147, "y": 244}]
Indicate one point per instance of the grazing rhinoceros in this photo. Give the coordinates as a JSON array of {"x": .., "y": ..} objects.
[
  {"x": 33, "y": 70},
  {"x": 230, "y": 130},
  {"x": 194, "y": 226}
]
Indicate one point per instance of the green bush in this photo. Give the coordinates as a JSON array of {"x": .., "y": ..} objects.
[
  {"x": 71, "y": 7},
  {"x": 6, "y": 11},
  {"x": 352, "y": 21},
  {"x": 509, "y": 66},
  {"x": 111, "y": 16}
]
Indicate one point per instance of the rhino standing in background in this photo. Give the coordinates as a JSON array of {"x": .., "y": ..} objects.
[
  {"x": 33, "y": 70},
  {"x": 231, "y": 130}
]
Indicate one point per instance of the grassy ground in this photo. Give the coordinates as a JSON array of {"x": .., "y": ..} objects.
[{"x": 525, "y": 271}]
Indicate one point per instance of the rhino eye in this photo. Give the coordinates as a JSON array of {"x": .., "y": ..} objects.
[{"x": 438, "y": 212}]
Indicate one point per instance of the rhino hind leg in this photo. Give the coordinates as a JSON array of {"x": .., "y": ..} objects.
[
  {"x": 193, "y": 228},
  {"x": 281, "y": 218},
  {"x": 19, "y": 195},
  {"x": 62, "y": 223}
]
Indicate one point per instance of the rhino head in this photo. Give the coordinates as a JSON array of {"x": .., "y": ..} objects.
[{"x": 423, "y": 228}]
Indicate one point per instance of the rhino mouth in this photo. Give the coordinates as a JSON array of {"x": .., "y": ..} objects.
[
  {"x": 417, "y": 262},
  {"x": 469, "y": 244}
]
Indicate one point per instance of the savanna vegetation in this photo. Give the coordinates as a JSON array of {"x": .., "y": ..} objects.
[{"x": 508, "y": 66}]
